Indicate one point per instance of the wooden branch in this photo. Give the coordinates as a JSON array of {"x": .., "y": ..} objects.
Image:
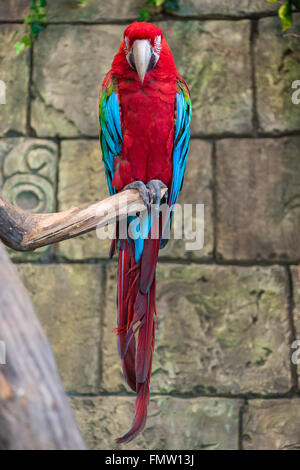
[
  {"x": 23, "y": 231},
  {"x": 34, "y": 411}
]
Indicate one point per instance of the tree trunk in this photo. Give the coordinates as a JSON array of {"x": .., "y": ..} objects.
[{"x": 34, "y": 410}]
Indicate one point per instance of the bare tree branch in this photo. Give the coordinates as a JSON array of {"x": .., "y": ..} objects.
[
  {"x": 293, "y": 35},
  {"x": 23, "y": 231}
]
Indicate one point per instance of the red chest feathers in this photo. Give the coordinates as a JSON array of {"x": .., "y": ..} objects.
[{"x": 148, "y": 112}]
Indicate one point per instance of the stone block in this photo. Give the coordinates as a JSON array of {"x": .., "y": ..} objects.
[
  {"x": 277, "y": 68},
  {"x": 222, "y": 330},
  {"x": 173, "y": 423},
  {"x": 14, "y": 77},
  {"x": 233, "y": 8},
  {"x": 93, "y": 10},
  {"x": 11, "y": 10},
  {"x": 81, "y": 181},
  {"x": 68, "y": 300},
  {"x": 258, "y": 214},
  {"x": 272, "y": 425},
  {"x": 70, "y": 63},
  {"x": 214, "y": 59},
  {"x": 28, "y": 180}
]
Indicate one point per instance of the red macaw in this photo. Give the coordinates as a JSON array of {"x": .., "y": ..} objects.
[{"x": 145, "y": 113}]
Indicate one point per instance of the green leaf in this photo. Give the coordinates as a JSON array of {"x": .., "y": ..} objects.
[
  {"x": 272, "y": 0},
  {"x": 144, "y": 15},
  {"x": 19, "y": 47},
  {"x": 36, "y": 28},
  {"x": 29, "y": 18},
  {"x": 26, "y": 41},
  {"x": 285, "y": 13},
  {"x": 171, "y": 4},
  {"x": 156, "y": 3},
  {"x": 42, "y": 12}
]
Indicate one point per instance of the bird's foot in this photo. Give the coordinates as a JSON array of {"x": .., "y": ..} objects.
[
  {"x": 149, "y": 193},
  {"x": 155, "y": 187},
  {"x": 143, "y": 191}
]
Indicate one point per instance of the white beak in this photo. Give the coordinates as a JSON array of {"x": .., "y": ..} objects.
[{"x": 141, "y": 50}]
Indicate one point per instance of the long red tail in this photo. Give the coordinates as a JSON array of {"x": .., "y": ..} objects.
[{"x": 136, "y": 318}]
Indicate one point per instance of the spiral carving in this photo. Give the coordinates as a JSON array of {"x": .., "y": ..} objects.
[{"x": 29, "y": 175}]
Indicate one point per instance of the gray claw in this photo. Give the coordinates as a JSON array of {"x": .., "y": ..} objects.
[
  {"x": 143, "y": 191},
  {"x": 155, "y": 187}
]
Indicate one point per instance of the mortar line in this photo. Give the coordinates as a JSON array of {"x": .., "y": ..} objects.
[
  {"x": 253, "y": 39},
  {"x": 292, "y": 328},
  {"x": 214, "y": 198},
  {"x": 164, "y": 17},
  {"x": 204, "y": 137},
  {"x": 58, "y": 142},
  {"x": 188, "y": 396},
  {"x": 29, "y": 132},
  {"x": 101, "y": 325},
  {"x": 177, "y": 261},
  {"x": 52, "y": 254},
  {"x": 241, "y": 424},
  {"x": 2, "y": 21}
]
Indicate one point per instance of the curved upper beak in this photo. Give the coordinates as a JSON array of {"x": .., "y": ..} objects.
[{"x": 142, "y": 56}]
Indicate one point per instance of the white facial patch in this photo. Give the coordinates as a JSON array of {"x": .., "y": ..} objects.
[
  {"x": 126, "y": 45},
  {"x": 142, "y": 57},
  {"x": 157, "y": 47}
]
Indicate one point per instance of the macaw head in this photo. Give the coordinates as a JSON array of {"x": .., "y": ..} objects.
[{"x": 142, "y": 47}]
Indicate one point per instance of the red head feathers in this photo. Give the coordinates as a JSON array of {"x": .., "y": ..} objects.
[
  {"x": 139, "y": 30},
  {"x": 144, "y": 51}
]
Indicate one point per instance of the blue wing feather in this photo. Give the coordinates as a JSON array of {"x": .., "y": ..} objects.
[
  {"x": 110, "y": 131},
  {"x": 181, "y": 146},
  {"x": 181, "y": 141}
]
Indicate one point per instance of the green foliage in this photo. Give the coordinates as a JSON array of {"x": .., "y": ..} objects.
[
  {"x": 157, "y": 3},
  {"x": 34, "y": 22},
  {"x": 144, "y": 14},
  {"x": 285, "y": 12},
  {"x": 154, "y": 7},
  {"x": 171, "y": 4}
]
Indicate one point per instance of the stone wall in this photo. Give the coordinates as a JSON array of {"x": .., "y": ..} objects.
[{"x": 222, "y": 375}]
